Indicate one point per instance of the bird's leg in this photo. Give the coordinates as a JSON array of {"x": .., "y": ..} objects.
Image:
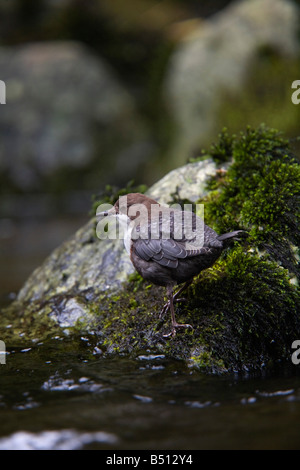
[
  {"x": 174, "y": 322},
  {"x": 175, "y": 298},
  {"x": 182, "y": 288}
]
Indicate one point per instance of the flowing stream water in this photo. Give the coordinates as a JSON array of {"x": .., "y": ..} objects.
[{"x": 54, "y": 397}]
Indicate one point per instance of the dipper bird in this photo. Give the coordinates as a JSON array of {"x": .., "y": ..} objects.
[{"x": 168, "y": 246}]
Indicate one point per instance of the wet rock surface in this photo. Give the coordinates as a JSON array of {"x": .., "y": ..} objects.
[
  {"x": 89, "y": 266},
  {"x": 244, "y": 310}
]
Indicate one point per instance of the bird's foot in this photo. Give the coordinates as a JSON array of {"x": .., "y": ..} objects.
[
  {"x": 167, "y": 305},
  {"x": 177, "y": 325}
]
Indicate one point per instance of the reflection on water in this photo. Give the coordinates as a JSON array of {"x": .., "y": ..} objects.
[{"x": 53, "y": 399}]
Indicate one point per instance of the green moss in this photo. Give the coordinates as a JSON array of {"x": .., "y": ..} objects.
[
  {"x": 204, "y": 361},
  {"x": 245, "y": 309},
  {"x": 248, "y": 310},
  {"x": 249, "y": 289},
  {"x": 220, "y": 151},
  {"x": 21, "y": 326},
  {"x": 244, "y": 312},
  {"x": 260, "y": 192}
]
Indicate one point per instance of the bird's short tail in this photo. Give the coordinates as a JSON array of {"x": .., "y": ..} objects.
[{"x": 236, "y": 235}]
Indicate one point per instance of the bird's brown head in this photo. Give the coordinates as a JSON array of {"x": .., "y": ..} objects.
[{"x": 134, "y": 205}]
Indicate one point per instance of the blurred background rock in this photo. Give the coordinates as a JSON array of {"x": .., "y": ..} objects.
[{"x": 104, "y": 92}]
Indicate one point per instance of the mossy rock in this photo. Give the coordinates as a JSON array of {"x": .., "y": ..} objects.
[{"x": 245, "y": 310}]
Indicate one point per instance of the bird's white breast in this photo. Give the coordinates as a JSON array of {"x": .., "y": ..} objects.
[{"x": 126, "y": 228}]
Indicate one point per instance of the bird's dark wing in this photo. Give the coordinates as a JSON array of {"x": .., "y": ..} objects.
[
  {"x": 167, "y": 251},
  {"x": 164, "y": 252}
]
